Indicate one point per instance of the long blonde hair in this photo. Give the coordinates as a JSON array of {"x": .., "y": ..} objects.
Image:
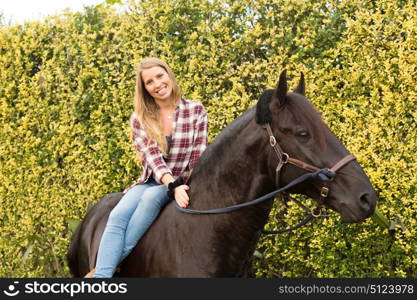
[{"x": 145, "y": 106}]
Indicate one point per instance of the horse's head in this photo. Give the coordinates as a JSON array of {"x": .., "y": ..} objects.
[{"x": 302, "y": 134}]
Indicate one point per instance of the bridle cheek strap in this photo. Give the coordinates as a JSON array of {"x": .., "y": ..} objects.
[{"x": 326, "y": 176}]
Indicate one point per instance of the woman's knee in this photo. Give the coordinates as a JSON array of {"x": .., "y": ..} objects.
[
  {"x": 122, "y": 212},
  {"x": 154, "y": 198},
  {"x": 119, "y": 216}
]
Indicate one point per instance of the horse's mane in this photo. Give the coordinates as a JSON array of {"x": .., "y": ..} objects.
[{"x": 218, "y": 145}]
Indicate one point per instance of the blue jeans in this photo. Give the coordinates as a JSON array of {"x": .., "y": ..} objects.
[{"x": 127, "y": 222}]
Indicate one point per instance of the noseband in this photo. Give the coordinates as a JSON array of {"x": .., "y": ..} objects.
[{"x": 326, "y": 176}]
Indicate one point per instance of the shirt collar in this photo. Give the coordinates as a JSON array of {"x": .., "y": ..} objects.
[{"x": 181, "y": 106}]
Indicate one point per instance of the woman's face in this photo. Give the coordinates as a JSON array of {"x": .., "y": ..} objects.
[{"x": 158, "y": 83}]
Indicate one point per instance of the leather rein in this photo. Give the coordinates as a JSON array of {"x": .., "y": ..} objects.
[{"x": 326, "y": 175}]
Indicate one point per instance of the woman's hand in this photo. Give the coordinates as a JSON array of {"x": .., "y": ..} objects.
[{"x": 181, "y": 195}]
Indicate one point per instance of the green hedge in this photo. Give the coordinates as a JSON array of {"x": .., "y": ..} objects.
[{"x": 66, "y": 95}]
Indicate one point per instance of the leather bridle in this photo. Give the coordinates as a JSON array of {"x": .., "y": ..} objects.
[{"x": 326, "y": 177}]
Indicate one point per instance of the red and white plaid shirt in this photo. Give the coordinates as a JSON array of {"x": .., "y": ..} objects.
[{"x": 189, "y": 140}]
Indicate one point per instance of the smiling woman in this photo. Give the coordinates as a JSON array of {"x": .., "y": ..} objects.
[
  {"x": 169, "y": 148},
  {"x": 158, "y": 84},
  {"x": 157, "y": 96}
]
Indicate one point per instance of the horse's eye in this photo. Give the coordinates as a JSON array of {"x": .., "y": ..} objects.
[{"x": 302, "y": 135}]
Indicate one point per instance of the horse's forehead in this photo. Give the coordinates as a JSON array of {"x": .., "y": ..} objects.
[
  {"x": 297, "y": 97},
  {"x": 304, "y": 105},
  {"x": 300, "y": 111},
  {"x": 298, "y": 106}
]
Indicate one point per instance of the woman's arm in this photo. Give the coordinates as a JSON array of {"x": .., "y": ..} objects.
[
  {"x": 148, "y": 149},
  {"x": 181, "y": 195},
  {"x": 199, "y": 145},
  {"x": 153, "y": 156}
]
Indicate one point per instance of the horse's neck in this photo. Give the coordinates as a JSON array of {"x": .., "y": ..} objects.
[
  {"x": 237, "y": 174},
  {"x": 235, "y": 171}
]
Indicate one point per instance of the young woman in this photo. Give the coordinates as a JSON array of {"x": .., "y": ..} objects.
[{"x": 170, "y": 134}]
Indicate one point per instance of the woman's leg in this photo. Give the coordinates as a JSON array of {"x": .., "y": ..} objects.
[
  {"x": 151, "y": 203},
  {"x": 113, "y": 239}
]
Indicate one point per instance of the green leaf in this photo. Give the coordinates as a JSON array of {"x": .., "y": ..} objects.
[{"x": 73, "y": 224}]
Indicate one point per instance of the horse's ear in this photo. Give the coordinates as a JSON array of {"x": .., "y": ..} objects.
[
  {"x": 277, "y": 97},
  {"x": 301, "y": 88},
  {"x": 282, "y": 87}
]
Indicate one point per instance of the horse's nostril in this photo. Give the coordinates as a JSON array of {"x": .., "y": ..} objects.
[{"x": 365, "y": 201}]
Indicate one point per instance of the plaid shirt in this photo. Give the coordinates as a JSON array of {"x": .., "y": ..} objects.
[{"x": 189, "y": 140}]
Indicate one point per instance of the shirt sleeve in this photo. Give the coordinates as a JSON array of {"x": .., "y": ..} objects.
[
  {"x": 200, "y": 140},
  {"x": 148, "y": 149}
]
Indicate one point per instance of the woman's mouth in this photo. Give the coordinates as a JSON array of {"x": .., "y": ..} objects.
[{"x": 161, "y": 91}]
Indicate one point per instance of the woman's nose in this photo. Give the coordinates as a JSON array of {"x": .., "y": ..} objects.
[{"x": 157, "y": 83}]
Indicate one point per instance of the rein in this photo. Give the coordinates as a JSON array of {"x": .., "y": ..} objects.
[{"x": 325, "y": 175}]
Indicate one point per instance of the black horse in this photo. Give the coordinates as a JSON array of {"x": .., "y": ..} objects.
[{"x": 240, "y": 165}]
